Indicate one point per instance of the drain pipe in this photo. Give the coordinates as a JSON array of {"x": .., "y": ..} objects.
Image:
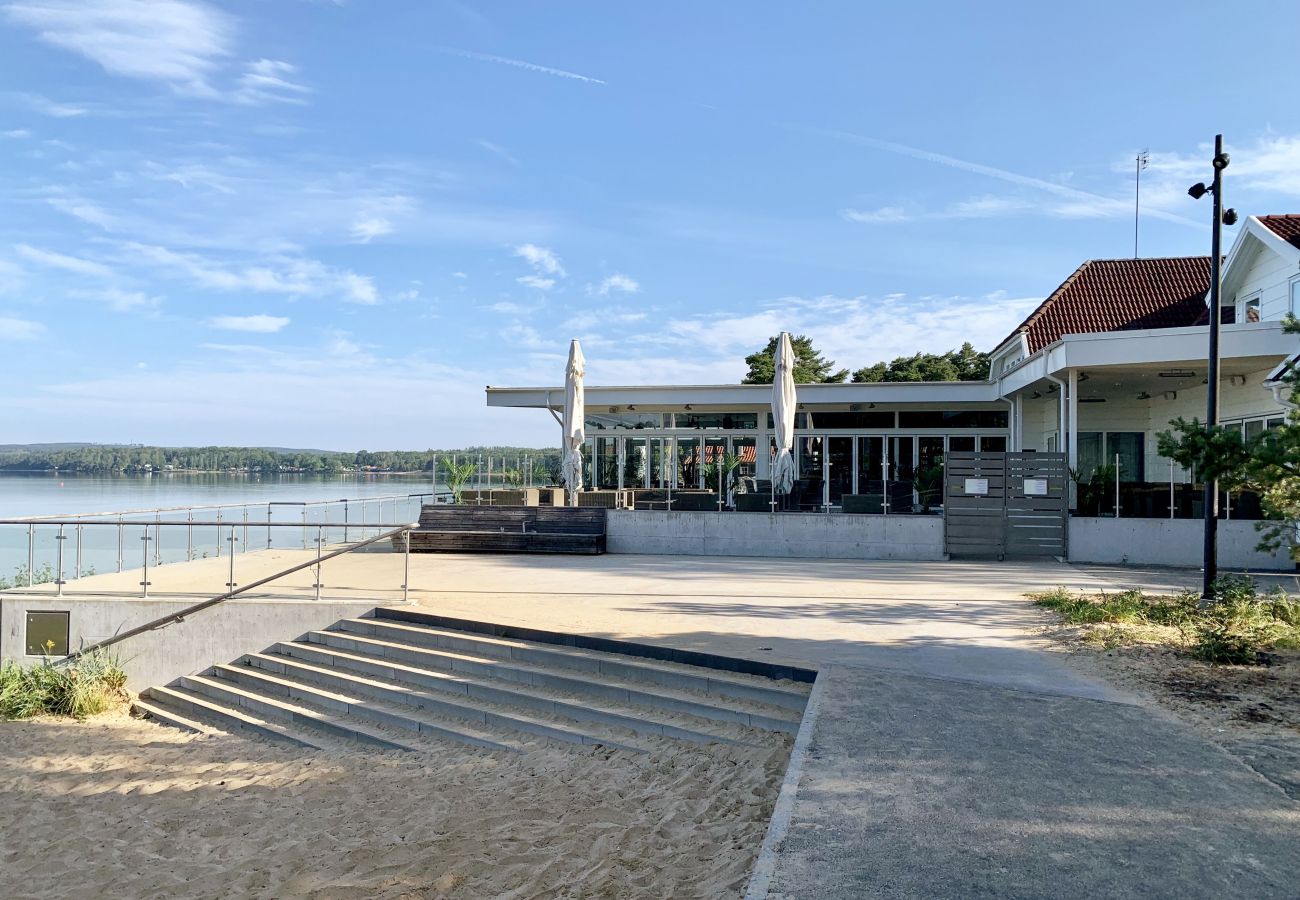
[
  {"x": 1070, "y": 462},
  {"x": 1013, "y": 439}
]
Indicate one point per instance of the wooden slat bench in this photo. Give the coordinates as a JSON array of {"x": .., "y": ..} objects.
[{"x": 509, "y": 529}]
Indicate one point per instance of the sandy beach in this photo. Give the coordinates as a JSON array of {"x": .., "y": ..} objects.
[{"x": 119, "y": 807}]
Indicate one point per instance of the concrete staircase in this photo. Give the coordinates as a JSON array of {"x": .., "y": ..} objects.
[{"x": 403, "y": 680}]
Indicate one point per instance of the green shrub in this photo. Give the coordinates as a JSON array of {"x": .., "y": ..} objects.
[
  {"x": 89, "y": 685},
  {"x": 1235, "y": 629}
]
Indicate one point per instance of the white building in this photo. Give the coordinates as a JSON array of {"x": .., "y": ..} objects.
[{"x": 1115, "y": 353}]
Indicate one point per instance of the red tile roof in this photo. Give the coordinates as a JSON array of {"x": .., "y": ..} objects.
[
  {"x": 1285, "y": 227},
  {"x": 1121, "y": 295}
]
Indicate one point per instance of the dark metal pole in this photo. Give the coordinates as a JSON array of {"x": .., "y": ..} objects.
[{"x": 1211, "y": 498}]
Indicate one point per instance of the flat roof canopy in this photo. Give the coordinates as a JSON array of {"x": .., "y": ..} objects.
[{"x": 744, "y": 397}]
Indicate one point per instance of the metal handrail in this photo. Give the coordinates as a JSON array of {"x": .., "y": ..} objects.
[
  {"x": 202, "y": 524},
  {"x": 250, "y": 504},
  {"x": 178, "y": 617}
]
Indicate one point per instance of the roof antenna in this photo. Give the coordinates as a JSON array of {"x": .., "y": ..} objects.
[{"x": 1142, "y": 159}]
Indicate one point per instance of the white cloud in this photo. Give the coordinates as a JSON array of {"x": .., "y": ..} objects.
[
  {"x": 459, "y": 275},
  {"x": 16, "y": 133},
  {"x": 118, "y": 300},
  {"x": 523, "y": 336},
  {"x": 542, "y": 259},
  {"x": 617, "y": 282},
  {"x": 366, "y": 229},
  {"x": 179, "y": 42},
  {"x": 875, "y": 216},
  {"x": 536, "y": 281},
  {"x": 294, "y": 276},
  {"x": 12, "y": 329},
  {"x": 261, "y": 324},
  {"x": 498, "y": 151},
  {"x": 85, "y": 211},
  {"x": 360, "y": 288},
  {"x": 47, "y": 107},
  {"x": 520, "y": 64},
  {"x": 54, "y": 260},
  {"x": 1075, "y": 202},
  {"x": 268, "y": 81}
]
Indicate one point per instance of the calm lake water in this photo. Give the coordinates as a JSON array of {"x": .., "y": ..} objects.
[{"x": 278, "y": 498}]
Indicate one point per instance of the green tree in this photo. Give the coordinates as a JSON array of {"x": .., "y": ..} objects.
[
  {"x": 1268, "y": 463},
  {"x": 966, "y": 364},
  {"x": 810, "y": 366}
]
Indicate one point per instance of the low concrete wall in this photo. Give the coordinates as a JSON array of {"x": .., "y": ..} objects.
[
  {"x": 810, "y": 535},
  {"x": 1169, "y": 542},
  {"x": 219, "y": 634}
]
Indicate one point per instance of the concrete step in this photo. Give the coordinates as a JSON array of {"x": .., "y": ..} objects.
[
  {"x": 270, "y": 707},
  {"x": 691, "y": 678},
  {"x": 342, "y": 666},
  {"x": 362, "y": 696},
  {"x": 617, "y": 690},
  {"x": 176, "y": 702},
  {"x": 319, "y": 692},
  {"x": 161, "y": 713}
]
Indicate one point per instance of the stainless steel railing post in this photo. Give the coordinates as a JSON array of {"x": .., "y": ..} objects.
[
  {"x": 268, "y": 526},
  {"x": 58, "y": 578},
  {"x": 120, "y": 538},
  {"x": 232, "y": 539},
  {"x": 245, "y": 528},
  {"x": 31, "y": 552},
  {"x": 304, "y": 527},
  {"x": 157, "y": 544},
  {"x": 144, "y": 575},
  {"x": 218, "y": 532},
  {"x": 319, "y": 547},
  {"x": 406, "y": 565},
  {"x": 345, "y": 521},
  {"x": 77, "y": 569},
  {"x": 189, "y": 535}
]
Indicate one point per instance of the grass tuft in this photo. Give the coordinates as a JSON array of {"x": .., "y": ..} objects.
[
  {"x": 1236, "y": 629},
  {"x": 91, "y": 685}
]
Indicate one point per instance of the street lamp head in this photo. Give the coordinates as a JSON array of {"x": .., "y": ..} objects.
[
  {"x": 1198, "y": 190},
  {"x": 1229, "y": 217},
  {"x": 1221, "y": 161}
]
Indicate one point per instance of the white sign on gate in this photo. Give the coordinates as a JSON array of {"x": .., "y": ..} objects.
[
  {"x": 1035, "y": 487},
  {"x": 977, "y": 486}
]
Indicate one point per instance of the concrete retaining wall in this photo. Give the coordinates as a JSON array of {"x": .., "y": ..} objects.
[
  {"x": 1169, "y": 542},
  {"x": 810, "y": 535},
  {"x": 218, "y": 634}
]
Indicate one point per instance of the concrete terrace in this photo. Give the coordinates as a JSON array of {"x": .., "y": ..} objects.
[{"x": 946, "y": 752}]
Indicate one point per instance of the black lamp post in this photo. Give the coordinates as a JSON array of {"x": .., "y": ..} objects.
[{"x": 1211, "y": 501}]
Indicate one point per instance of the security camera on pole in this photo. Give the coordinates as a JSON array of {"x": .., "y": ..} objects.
[{"x": 1221, "y": 218}]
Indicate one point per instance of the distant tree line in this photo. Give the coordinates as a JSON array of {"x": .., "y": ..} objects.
[
  {"x": 134, "y": 459},
  {"x": 811, "y": 367}
]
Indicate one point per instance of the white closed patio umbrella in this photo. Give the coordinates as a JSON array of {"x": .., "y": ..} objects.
[
  {"x": 572, "y": 423},
  {"x": 783, "y": 405}
]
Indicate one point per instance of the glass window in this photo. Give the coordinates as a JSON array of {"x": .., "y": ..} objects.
[
  {"x": 871, "y": 419},
  {"x": 1127, "y": 446},
  {"x": 1250, "y": 309},
  {"x": 993, "y": 443},
  {"x": 966, "y": 418},
  {"x": 724, "y": 420},
  {"x": 962, "y": 443},
  {"x": 1090, "y": 452},
  {"x": 871, "y": 457},
  {"x": 616, "y": 421},
  {"x": 635, "y": 470},
  {"x": 744, "y": 447}
]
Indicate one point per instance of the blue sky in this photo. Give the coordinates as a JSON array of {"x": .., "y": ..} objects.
[{"x": 331, "y": 224}]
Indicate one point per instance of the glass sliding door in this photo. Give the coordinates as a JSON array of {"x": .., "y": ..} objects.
[
  {"x": 839, "y": 459},
  {"x": 871, "y": 466},
  {"x": 901, "y": 465},
  {"x": 745, "y": 447},
  {"x": 636, "y": 472},
  {"x": 715, "y": 449},
  {"x": 810, "y": 484},
  {"x": 688, "y": 462},
  {"x": 929, "y": 471}
]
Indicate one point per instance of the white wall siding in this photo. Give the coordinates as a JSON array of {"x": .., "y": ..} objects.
[{"x": 1270, "y": 274}]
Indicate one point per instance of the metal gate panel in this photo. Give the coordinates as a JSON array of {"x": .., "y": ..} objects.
[
  {"x": 1037, "y": 503},
  {"x": 974, "y": 504},
  {"x": 1005, "y": 504}
]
